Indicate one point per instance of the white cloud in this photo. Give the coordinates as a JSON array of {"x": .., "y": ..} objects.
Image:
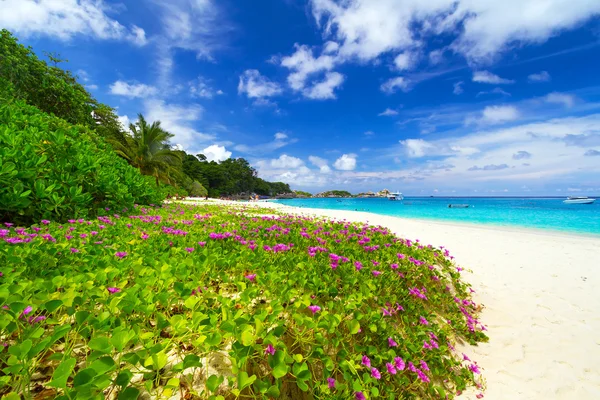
[
  {"x": 388, "y": 112},
  {"x": 347, "y": 162},
  {"x": 367, "y": 29},
  {"x": 565, "y": 99},
  {"x": 216, "y": 153},
  {"x": 138, "y": 36},
  {"x": 66, "y": 19},
  {"x": 542, "y": 76},
  {"x": 392, "y": 85},
  {"x": 494, "y": 115},
  {"x": 180, "y": 121},
  {"x": 416, "y": 147},
  {"x": 304, "y": 64},
  {"x": 458, "y": 88},
  {"x": 200, "y": 87},
  {"x": 124, "y": 120},
  {"x": 494, "y": 91},
  {"x": 436, "y": 56},
  {"x": 325, "y": 89},
  {"x": 256, "y": 86},
  {"x": 132, "y": 90},
  {"x": 488, "y": 77},
  {"x": 280, "y": 140},
  {"x": 369, "y": 133},
  {"x": 321, "y": 163},
  {"x": 406, "y": 61},
  {"x": 285, "y": 161},
  {"x": 92, "y": 87}
]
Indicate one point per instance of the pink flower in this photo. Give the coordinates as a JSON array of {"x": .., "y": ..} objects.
[
  {"x": 391, "y": 369},
  {"x": 250, "y": 277},
  {"x": 359, "y": 396},
  {"x": 422, "y": 376},
  {"x": 391, "y": 342},
  {"x": 201, "y": 244},
  {"x": 386, "y": 313},
  {"x": 375, "y": 373},
  {"x": 465, "y": 357},
  {"x": 270, "y": 350},
  {"x": 113, "y": 290},
  {"x": 424, "y": 365},
  {"x": 423, "y": 321},
  {"x": 479, "y": 396},
  {"x": 365, "y": 361},
  {"x": 376, "y": 273},
  {"x": 74, "y": 250},
  {"x": 474, "y": 368},
  {"x": 26, "y": 311},
  {"x": 358, "y": 265},
  {"x": 394, "y": 266},
  {"x": 314, "y": 309},
  {"x": 399, "y": 363},
  {"x": 331, "y": 383},
  {"x": 121, "y": 254},
  {"x": 189, "y": 249}
]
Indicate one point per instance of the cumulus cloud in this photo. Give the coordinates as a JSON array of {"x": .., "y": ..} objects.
[
  {"x": 132, "y": 90},
  {"x": 407, "y": 60},
  {"x": 180, "y": 120},
  {"x": 494, "y": 115},
  {"x": 66, "y": 19},
  {"x": 321, "y": 163},
  {"x": 392, "y": 85},
  {"x": 564, "y": 99},
  {"x": 285, "y": 161},
  {"x": 325, "y": 89},
  {"x": 542, "y": 76},
  {"x": 125, "y": 121},
  {"x": 280, "y": 136},
  {"x": 416, "y": 147},
  {"x": 480, "y": 30},
  {"x": 254, "y": 85},
  {"x": 488, "y": 77},
  {"x": 521, "y": 155},
  {"x": 347, "y": 162},
  {"x": 216, "y": 153}
]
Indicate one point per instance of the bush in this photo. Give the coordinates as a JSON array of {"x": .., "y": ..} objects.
[
  {"x": 209, "y": 302},
  {"x": 50, "y": 169}
]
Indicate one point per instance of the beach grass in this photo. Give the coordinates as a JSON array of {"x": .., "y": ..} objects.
[{"x": 222, "y": 302}]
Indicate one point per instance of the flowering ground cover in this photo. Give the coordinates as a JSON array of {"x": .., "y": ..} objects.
[{"x": 217, "y": 302}]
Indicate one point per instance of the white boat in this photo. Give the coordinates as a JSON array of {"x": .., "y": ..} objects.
[
  {"x": 578, "y": 200},
  {"x": 397, "y": 196}
]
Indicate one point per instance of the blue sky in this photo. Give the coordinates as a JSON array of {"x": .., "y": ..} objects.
[{"x": 438, "y": 97}]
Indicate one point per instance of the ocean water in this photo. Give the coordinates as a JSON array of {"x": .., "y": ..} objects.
[{"x": 541, "y": 213}]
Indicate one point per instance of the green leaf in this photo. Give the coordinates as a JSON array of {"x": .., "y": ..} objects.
[
  {"x": 130, "y": 393},
  {"x": 353, "y": 326},
  {"x": 213, "y": 339},
  {"x": 101, "y": 344},
  {"x": 191, "y": 360},
  {"x": 213, "y": 382},
  {"x": 103, "y": 364},
  {"x": 243, "y": 380},
  {"x": 62, "y": 373},
  {"x": 123, "y": 378},
  {"x": 84, "y": 377},
  {"x": 273, "y": 391}
]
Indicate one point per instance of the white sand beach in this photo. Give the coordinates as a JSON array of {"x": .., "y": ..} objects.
[{"x": 541, "y": 292}]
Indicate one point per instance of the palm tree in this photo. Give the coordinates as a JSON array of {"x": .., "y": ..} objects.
[{"x": 149, "y": 151}]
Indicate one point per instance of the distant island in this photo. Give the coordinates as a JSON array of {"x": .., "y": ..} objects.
[{"x": 299, "y": 194}]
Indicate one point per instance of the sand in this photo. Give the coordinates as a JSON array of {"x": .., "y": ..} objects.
[{"x": 541, "y": 292}]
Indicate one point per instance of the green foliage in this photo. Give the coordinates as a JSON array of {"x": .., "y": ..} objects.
[
  {"x": 335, "y": 193},
  {"x": 51, "y": 169},
  {"x": 302, "y": 194},
  {"x": 49, "y": 88},
  {"x": 275, "y": 306}
]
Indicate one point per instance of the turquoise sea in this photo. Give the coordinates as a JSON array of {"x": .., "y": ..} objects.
[{"x": 541, "y": 213}]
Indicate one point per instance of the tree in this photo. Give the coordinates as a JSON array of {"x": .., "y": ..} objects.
[{"x": 148, "y": 150}]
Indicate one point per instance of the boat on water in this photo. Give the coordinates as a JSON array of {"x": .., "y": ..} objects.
[
  {"x": 458, "y": 206},
  {"x": 578, "y": 200},
  {"x": 395, "y": 196}
]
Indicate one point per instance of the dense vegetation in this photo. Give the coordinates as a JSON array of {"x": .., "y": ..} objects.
[
  {"x": 59, "y": 147},
  {"x": 217, "y": 303},
  {"x": 335, "y": 193},
  {"x": 300, "y": 193}
]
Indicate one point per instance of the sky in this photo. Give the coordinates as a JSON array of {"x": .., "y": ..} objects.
[{"x": 437, "y": 97}]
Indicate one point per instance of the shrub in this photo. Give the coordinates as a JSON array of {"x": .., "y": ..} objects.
[
  {"x": 50, "y": 169},
  {"x": 207, "y": 302}
]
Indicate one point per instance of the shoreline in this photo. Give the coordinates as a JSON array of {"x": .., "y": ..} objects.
[{"x": 539, "y": 292}]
